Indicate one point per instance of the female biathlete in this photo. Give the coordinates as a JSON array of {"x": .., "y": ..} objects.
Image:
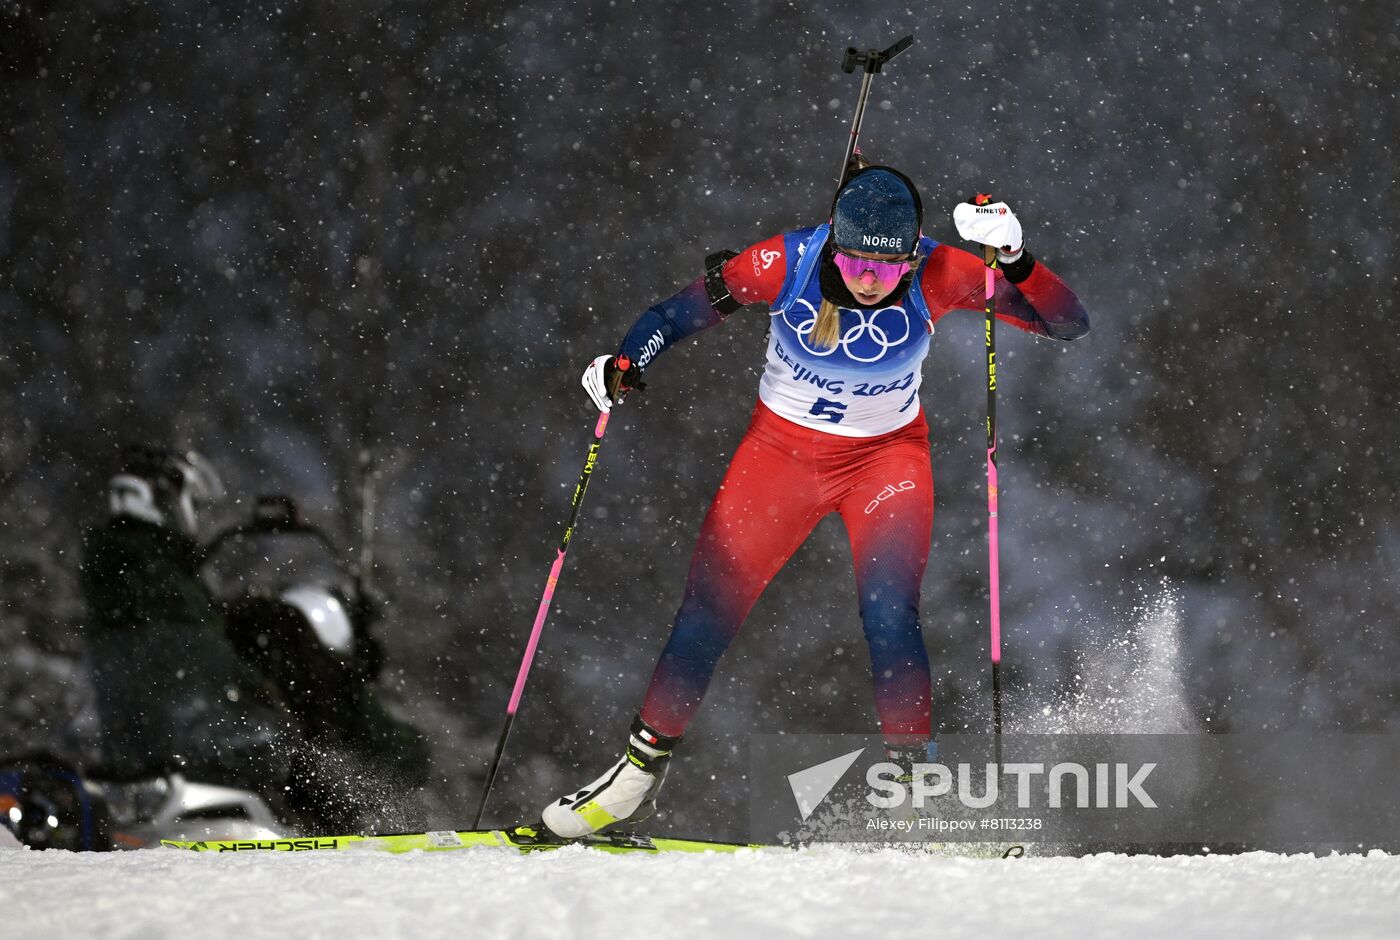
[{"x": 837, "y": 428}]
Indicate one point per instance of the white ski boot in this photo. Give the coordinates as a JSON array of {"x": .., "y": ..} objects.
[{"x": 627, "y": 792}]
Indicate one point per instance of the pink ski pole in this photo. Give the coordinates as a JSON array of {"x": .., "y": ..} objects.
[
  {"x": 540, "y": 615},
  {"x": 989, "y": 257}
]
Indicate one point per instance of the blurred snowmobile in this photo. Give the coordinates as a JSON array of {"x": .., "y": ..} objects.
[
  {"x": 271, "y": 662},
  {"x": 46, "y": 803},
  {"x": 302, "y": 616}
]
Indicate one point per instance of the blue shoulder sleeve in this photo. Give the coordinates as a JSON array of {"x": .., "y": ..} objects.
[{"x": 669, "y": 321}]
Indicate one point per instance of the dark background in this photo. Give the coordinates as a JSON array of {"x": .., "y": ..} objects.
[{"x": 285, "y": 233}]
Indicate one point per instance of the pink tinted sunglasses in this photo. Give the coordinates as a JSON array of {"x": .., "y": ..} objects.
[{"x": 887, "y": 273}]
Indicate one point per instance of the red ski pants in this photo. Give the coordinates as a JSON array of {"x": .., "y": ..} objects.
[{"x": 783, "y": 479}]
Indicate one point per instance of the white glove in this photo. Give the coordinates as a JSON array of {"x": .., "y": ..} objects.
[
  {"x": 595, "y": 382},
  {"x": 992, "y": 224}
]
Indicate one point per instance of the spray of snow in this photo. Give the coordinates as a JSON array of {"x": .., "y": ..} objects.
[
  {"x": 1129, "y": 679},
  {"x": 367, "y": 796}
]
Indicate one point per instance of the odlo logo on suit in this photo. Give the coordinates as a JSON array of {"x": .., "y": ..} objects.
[{"x": 889, "y": 490}]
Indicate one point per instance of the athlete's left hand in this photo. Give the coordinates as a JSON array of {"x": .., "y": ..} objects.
[{"x": 987, "y": 222}]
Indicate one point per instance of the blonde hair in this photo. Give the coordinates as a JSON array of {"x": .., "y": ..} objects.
[{"x": 827, "y": 329}]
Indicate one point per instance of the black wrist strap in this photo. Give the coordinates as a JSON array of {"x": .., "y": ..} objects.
[
  {"x": 1020, "y": 269},
  {"x": 720, "y": 298}
]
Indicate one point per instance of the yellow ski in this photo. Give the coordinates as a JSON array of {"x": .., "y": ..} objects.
[{"x": 521, "y": 838}]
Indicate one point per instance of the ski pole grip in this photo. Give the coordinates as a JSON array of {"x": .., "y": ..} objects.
[{"x": 615, "y": 389}]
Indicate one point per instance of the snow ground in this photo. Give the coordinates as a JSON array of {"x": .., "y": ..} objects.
[{"x": 822, "y": 892}]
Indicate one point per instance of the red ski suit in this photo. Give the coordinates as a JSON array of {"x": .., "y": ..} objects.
[{"x": 835, "y": 430}]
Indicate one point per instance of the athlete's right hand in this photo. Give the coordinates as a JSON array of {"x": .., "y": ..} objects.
[{"x": 608, "y": 378}]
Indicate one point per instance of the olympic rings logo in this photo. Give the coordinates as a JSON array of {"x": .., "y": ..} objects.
[{"x": 869, "y": 340}]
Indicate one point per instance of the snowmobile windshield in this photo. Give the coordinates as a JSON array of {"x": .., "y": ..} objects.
[{"x": 201, "y": 479}]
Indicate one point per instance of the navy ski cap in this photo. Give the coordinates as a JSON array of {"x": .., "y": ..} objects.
[{"x": 878, "y": 210}]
